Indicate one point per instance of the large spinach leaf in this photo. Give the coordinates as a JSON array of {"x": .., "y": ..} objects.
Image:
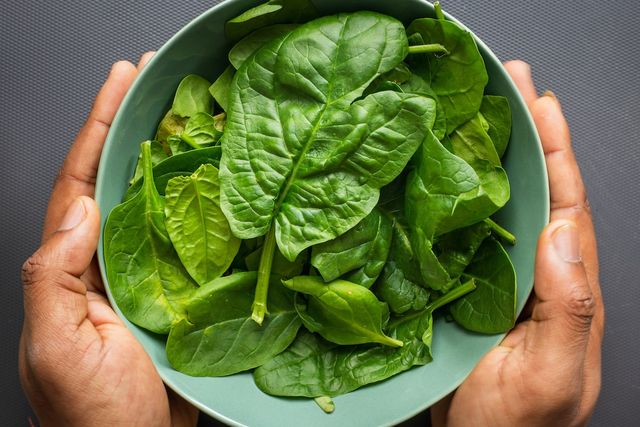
[
  {"x": 218, "y": 337},
  {"x": 357, "y": 256},
  {"x": 342, "y": 312},
  {"x": 198, "y": 229},
  {"x": 491, "y": 308},
  {"x": 146, "y": 278},
  {"x": 457, "y": 78},
  {"x": 303, "y": 163}
]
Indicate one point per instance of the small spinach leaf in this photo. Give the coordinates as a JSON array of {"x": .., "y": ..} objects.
[
  {"x": 496, "y": 111},
  {"x": 192, "y": 97},
  {"x": 457, "y": 78},
  {"x": 269, "y": 13},
  {"x": 146, "y": 278},
  {"x": 357, "y": 256},
  {"x": 491, "y": 308},
  {"x": 198, "y": 229},
  {"x": 399, "y": 285},
  {"x": 342, "y": 312},
  {"x": 201, "y": 131},
  {"x": 171, "y": 124}
]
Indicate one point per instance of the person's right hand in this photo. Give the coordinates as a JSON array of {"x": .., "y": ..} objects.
[{"x": 546, "y": 372}]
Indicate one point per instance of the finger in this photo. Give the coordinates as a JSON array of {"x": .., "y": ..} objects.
[
  {"x": 54, "y": 295},
  {"x": 565, "y": 183},
  {"x": 560, "y": 326},
  {"x": 144, "y": 60},
  {"x": 520, "y": 72},
  {"x": 78, "y": 173},
  {"x": 568, "y": 196}
]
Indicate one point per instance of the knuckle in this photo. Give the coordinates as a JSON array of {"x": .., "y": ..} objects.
[
  {"x": 33, "y": 269},
  {"x": 581, "y": 306}
]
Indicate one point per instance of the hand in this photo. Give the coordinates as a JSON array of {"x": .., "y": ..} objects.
[
  {"x": 79, "y": 365},
  {"x": 547, "y": 370}
]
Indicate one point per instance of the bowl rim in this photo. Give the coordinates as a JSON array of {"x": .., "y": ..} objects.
[{"x": 120, "y": 117}]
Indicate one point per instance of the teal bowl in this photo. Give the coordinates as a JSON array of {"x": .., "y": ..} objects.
[{"x": 201, "y": 48}]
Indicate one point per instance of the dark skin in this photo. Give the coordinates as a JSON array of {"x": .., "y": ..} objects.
[
  {"x": 80, "y": 365},
  {"x": 546, "y": 372}
]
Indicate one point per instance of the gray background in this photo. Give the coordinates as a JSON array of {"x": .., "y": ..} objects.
[{"x": 56, "y": 54}]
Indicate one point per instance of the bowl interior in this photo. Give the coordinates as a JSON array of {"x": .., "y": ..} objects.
[{"x": 201, "y": 48}]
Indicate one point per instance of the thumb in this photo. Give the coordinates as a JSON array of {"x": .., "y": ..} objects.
[
  {"x": 561, "y": 318},
  {"x": 54, "y": 295}
]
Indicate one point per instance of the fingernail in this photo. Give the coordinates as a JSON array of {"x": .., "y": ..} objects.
[
  {"x": 550, "y": 94},
  {"x": 567, "y": 243},
  {"x": 74, "y": 216}
]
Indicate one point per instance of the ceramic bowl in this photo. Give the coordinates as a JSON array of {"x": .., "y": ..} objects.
[{"x": 200, "y": 48}]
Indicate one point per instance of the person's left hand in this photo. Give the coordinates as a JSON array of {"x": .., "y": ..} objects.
[{"x": 79, "y": 364}]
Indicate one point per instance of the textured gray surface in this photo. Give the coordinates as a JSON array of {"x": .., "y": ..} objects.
[{"x": 56, "y": 54}]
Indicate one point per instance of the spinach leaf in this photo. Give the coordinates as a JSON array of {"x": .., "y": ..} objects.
[
  {"x": 269, "y": 13},
  {"x": 400, "y": 284},
  {"x": 171, "y": 124},
  {"x": 157, "y": 155},
  {"x": 416, "y": 84},
  {"x": 146, "y": 278},
  {"x": 451, "y": 190},
  {"x": 219, "y": 338},
  {"x": 201, "y": 130},
  {"x": 357, "y": 256},
  {"x": 491, "y": 308},
  {"x": 178, "y": 165},
  {"x": 197, "y": 227},
  {"x": 303, "y": 163},
  {"x": 457, "y": 78},
  {"x": 496, "y": 111},
  {"x": 457, "y": 248},
  {"x": 314, "y": 367},
  {"x": 254, "y": 41},
  {"x": 177, "y": 145},
  {"x": 342, "y": 312},
  {"x": 220, "y": 88},
  {"x": 192, "y": 96}
]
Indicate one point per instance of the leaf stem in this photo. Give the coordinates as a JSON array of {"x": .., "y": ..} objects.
[
  {"x": 501, "y": 232},
  {"x": 428, "y": 48},
  {"x": 147, "y": 168},
  {"x": 452, "y": 295},
  {"x": 438, "y": 9},
  {"x": 189, "y": 141},
  {"x": 259, "y": 306}
]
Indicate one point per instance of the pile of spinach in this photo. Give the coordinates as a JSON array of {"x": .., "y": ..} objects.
[{"x": 305, "y": 213}]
